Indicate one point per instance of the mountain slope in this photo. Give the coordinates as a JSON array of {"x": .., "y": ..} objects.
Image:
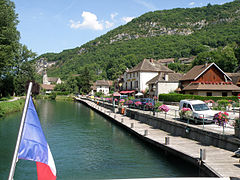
[{"x": 160, "y": 34}]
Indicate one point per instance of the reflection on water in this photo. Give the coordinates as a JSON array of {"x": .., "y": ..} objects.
[{"x": 87, "y": 146}]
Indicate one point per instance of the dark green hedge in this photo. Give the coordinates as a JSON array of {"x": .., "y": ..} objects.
[{"x": 179, "y": 97}]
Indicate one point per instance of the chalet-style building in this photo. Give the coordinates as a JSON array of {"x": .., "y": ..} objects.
[
  {"x": 101, "y": 86},
  {"x": 164, "y": 83},
  {"x": 137, "y": 77},
  {"x": 208, "y": 80}
]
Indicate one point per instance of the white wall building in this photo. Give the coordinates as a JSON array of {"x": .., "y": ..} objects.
[
  {"x": 137, "y": 77},
  {"x": 101, "y": 86},
  {"x": 164, "y": 83}
]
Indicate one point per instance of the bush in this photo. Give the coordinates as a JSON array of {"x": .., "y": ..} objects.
[
  {"x": 53, "y": 96},
  {"x": 62, "y": 93},
  {"x": 178, "y": 97}
]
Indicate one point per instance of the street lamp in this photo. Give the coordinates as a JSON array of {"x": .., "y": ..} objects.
[{"x": 120, "y": 85}]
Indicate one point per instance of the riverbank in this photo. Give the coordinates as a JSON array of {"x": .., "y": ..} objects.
[
  {"x": 215, "y": 162},
  {"x": 57, "y": 98},
  {"x": 7, "y": 107}
]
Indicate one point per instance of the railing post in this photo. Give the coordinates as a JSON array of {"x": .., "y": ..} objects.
[
  {"x": 202, "y": 154},
  {"x": 203, "y": 121},
  {"x": 167, "y": 140}
]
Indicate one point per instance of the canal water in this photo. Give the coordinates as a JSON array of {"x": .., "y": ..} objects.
[{"x": 85, "y": 145}]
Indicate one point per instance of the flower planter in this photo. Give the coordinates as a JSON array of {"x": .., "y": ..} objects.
[{"x": 237, "y": 132}]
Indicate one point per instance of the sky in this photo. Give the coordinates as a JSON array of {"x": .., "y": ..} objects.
[{"x": 56, "y": 25}]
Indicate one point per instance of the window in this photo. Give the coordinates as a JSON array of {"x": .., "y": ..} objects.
[
  {"x": 136, "y": 84},
  {"x": 224, "y": 94},
  {"x": 209, "y": 93}
]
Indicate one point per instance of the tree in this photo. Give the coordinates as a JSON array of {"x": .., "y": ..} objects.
[
  {"x": 23, "y": 70},
  {"x": 83, "y": 82},
  {"x": 15, "y": 68},
  {"x": 9, "y": 36}
]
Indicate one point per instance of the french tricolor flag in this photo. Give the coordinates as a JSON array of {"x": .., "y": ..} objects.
[{"x": 34, "y": 147}]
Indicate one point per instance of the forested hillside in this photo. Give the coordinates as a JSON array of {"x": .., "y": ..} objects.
[{"x": 211, "y": 33}]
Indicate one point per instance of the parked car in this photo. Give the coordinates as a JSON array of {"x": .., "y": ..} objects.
[{"x": 200, "y": 110}]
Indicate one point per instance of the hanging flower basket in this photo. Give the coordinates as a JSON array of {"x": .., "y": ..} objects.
[
  {"x": 163, "y": 108},
  {"x": 185, "y": 113},
  {"x": 221, "y": 118}
]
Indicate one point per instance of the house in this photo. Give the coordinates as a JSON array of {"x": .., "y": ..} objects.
[
  {"x": 51, "y": 80},
  {"x": 49, "y": 83},
  {"x": 137, "y": 77},
  {"x": 48, "y": 88},
  {"x": 164, "y": 83},
  {"x": 208, "y": 80},
  {"x": 166, "y": 62},
  {"x": 186, "y": 60},
  {"x": 235, "y": 78},
  {"x": 101, "y": 86}
]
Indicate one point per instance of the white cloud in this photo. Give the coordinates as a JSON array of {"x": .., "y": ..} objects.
[
  {"x": 109, "y": 24},
  {"x": 127, "y": 19},
  {"x": 191, "y": 3},
  {"x": 113, "y": 15},
  {"x": 89, "y": 21}
]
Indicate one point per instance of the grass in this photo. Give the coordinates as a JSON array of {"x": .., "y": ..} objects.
[{"x": 10, "y": 107}]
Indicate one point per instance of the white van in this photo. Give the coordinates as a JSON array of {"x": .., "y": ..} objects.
[{"x": 200, "y": 110}]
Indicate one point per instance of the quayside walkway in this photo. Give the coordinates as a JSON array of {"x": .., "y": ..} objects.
[{"x": 214, "y": 161}]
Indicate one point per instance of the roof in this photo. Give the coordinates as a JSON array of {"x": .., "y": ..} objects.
[
  {"x": 172, "y": 77},
  {"x": 169, "y": 60},
  {"x": 150, "y": 65},
  {"x": 53, "y": 79},
  {"x": 197, "y": 71},
  {"x": 213, "y": 86},
  {"x": 189, "y": 59},
  {"x": 47, "y": 86},
  {"x": 103, "y": 83},
  {"x": 235, "y": 77}
]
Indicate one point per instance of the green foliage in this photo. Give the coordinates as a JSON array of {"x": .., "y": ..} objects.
[
  {"x": 99, "y": 94},
  {"x": 206, "y": 32},
  {"x": 15, "y": 68},
  {"x": 222, "y": 103},
  {"x": 53, "y": 96},
  {"x": 9, "y": 107},
  {"x": 179, "y": 97}
]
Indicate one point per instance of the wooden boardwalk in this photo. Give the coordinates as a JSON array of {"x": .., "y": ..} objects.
[{"x": 220, "y": 161}]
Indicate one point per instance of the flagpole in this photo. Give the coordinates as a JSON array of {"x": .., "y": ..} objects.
[{"x": 14, "y": 161}]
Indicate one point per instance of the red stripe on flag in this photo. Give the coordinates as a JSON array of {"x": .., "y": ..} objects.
[{"x": 44, "y": 172}]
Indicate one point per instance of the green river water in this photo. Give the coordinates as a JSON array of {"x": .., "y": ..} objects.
[{"x": 85, "y": 145}]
